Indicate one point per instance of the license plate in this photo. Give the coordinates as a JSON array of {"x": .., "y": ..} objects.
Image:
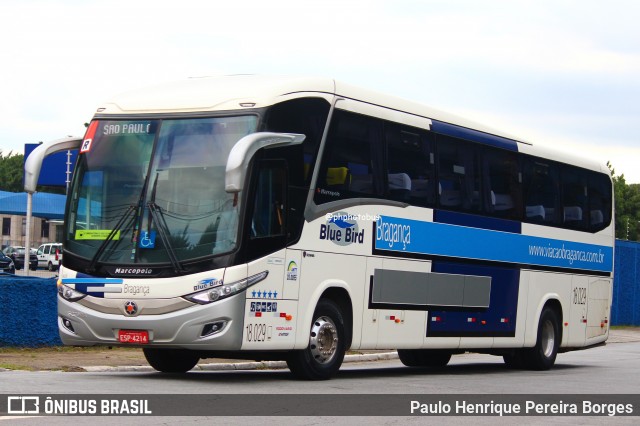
[{"x": 140, "y": 337}]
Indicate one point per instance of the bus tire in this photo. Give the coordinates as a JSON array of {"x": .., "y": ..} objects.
[
  {"x": 434, "y": 358},
  {"x": 543, "y": 355},
  {"x": 171, "y": 360},
  {"x": 322, "y": 359}
]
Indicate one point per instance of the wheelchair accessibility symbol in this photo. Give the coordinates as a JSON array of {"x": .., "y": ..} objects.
[{"x": 148, "y": 239}]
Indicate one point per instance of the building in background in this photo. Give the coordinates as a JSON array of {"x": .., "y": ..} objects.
[{"x": 47, "y": 226}]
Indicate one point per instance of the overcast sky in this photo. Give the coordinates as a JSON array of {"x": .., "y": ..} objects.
[{"x": 559, "y": 73}]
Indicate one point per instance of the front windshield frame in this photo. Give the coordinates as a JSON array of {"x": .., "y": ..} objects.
[{"x": 198, "y": 175}]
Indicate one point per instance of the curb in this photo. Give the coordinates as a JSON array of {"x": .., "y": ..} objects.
[{"x": 262, "y": 365}]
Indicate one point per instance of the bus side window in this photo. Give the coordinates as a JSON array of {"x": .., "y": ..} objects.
[
  {"x": 574, "y": 198},
  {"x": 352, "y": 162},
  {"x": 458, "y": 175},
  {"x": 307, "y": 116},
  {"x": 269, "y": 205},
  {"x": 502, "y": 183},
  {"x": 410, "y": 165},
  {"x": 599, "y": 201},
  {"x": 541, "y": 191}
]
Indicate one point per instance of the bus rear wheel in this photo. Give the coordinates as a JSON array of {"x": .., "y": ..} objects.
[
  {"x": 543, "y": 355},
  {"x": 171, "y": 360},
  {"x": 327, "y": 345},
  {"x": 433, "y": 358}
]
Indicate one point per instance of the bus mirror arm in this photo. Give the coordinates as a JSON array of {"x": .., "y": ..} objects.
[
  {"x": 33, "y": 164},
  {"x": 245, "y": 149}
]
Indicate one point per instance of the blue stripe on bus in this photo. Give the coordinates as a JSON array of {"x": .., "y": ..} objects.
[
  {"x": 84, "y": 284},
  {"x": 477, "y": 221},
  {"x": 473, "y": 135},
  {"x": 92, "y": 280},
  {"x": 408, "y": 236}
]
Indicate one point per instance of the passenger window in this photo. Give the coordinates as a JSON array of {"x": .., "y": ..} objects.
[
  {"x": 599, "y": 201},
  {"x": 410, "y": 165},
  {"x": 307, "y": 116},
  {"x": 458, "y": 175},
  {"x": 574, "y": 198},
  {"x": 541, "y": 192},
  {"x": 351, "y": 166},
  {"x": 502, "y": 180},
  {"x": 270, "y": 203}
]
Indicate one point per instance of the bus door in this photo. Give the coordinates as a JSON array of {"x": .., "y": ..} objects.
[{"x": 598, "y": 308}]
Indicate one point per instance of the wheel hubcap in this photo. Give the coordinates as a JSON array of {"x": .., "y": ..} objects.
[
  {"x": 548, "y": 339},
  {"x": 324, "y": 340}
]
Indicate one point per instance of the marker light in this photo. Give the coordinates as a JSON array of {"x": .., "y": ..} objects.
[{"x": 222, "y": 291}]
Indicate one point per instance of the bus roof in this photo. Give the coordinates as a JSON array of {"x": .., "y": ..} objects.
[
  {"x": 243, "y": 91},
  {"x": 233, "y": 91}
]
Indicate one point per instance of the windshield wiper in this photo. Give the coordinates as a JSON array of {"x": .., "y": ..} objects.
[
  {"x": 163, "y": 229},
  {"x": 111, "y": 236}
]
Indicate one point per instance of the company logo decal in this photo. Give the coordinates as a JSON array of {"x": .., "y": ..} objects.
[
  {"x": 130, "y": 308},
  {"x": 292, "y": 271},
  {"x": 207, "y": 283},
  {"x": 131, "y": 271},
  {"x": 327, "y": 192},
  {"x": 392, "y": 234},
  {"x": 342, "y": 229}
]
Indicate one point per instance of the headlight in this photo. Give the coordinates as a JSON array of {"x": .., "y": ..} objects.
[
  {"x": 222, "y": 291},
  {"x": 69, "y": 294}
]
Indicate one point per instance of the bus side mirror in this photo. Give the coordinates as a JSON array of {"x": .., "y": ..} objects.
[
  {"x": 245, "y": 149},
  {"x": 33, "y": 163}
]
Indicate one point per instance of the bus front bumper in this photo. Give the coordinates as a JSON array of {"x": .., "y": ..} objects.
[{"x": 215, "y": 326}]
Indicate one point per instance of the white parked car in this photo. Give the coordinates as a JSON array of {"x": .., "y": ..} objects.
[{"x": 50, "y": 256}]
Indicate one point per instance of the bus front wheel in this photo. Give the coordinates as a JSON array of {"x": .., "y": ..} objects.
[
  {"x": 327, "y": 345},
  {"x": 171, "y": 360}
]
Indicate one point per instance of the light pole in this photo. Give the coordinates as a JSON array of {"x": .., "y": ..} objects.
[{"x": 627, "y": 236}]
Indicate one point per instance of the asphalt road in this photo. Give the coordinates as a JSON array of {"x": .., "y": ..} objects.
[{"x": 601, "y": 371}]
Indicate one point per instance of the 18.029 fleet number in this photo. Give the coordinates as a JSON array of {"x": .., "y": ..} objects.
[{"x": 256, "y": 332}]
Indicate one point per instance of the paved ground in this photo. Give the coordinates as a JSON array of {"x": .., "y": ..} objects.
[
  {"x": 623, "y": 335},
  {"x": 132, "y": 359}
]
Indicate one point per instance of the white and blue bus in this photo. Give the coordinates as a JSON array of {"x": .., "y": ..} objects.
[{"x": 297, "y": 218}]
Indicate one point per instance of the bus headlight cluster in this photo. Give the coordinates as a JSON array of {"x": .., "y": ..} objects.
[
  {"x": 222, "y": 291},
  {"x": 67, "y": 293}
]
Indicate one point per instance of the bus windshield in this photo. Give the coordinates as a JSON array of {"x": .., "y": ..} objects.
[{"x": 153, "y": 191}]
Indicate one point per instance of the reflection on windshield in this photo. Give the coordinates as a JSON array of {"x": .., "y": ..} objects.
[{"x": 182, "y": 209}]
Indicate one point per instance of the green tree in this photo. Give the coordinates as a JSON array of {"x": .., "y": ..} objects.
[
  {"x": 11, "y": 172},
  {"x": 627, "y": 200}
]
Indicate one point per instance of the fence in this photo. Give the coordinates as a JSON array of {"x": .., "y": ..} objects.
[
  {"x": 625, "y": 309},
  {"x": 28, "y": 304},
  {"x": 28, "y": 311}
]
